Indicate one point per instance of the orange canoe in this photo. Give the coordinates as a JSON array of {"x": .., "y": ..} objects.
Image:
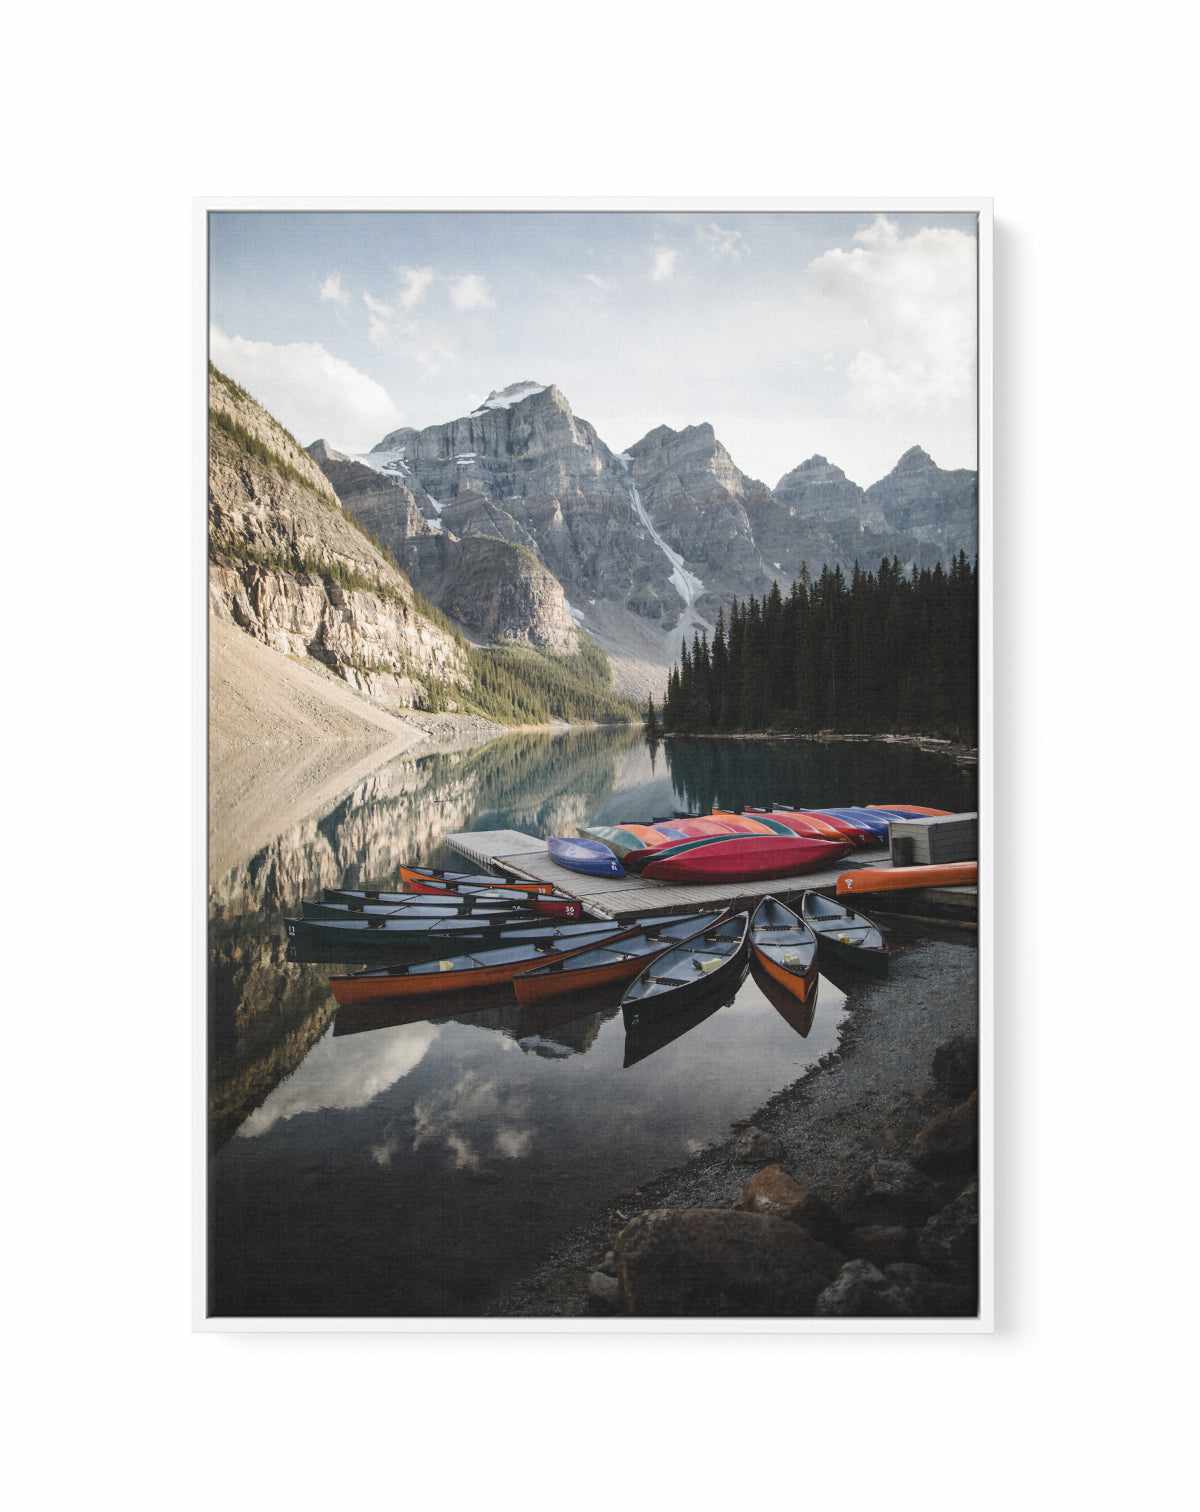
[
  {"x": 484, "y": 968},
  {"x": 427, "y": 879},
  {"x": 875, "y": 879},
  {"x": 915, "y": 809}
]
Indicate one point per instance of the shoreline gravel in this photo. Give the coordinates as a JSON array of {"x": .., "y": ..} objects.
[{"x": 864, "y": 1101}]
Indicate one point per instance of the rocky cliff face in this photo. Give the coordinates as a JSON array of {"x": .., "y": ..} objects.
[
  {"x": 524, "y": 468},
  {"x": 470, "y": 557},
  {"x": 702, "y": 506},
  {"x": 919, "y": 513},
  {"x": 289, "y": 567},
  {"x": 937, "y": 508}
]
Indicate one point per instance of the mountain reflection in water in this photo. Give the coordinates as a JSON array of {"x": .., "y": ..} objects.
[{"x": 410, "y": 1159}]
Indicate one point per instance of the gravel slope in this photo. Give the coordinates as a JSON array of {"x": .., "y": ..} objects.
[{"x": 282, "y": 736}]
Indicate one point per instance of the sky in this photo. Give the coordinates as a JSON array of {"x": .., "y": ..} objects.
[{"x": 848, "y": 335}]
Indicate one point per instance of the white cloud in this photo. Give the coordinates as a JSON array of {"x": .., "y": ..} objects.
[
  {"x": 513, "y": 1144},
  {"x": 723, "y": 241},
  {"x": 603, "y": 284},
  {"x": 383, "y": 318},
  {"x": 470, "y": 292},
  {"x": 462, "y": 1117},
  {"x": 379, "y": 319},
  {"x": 663, "y": 265},
  {"x": 308, "y": 389},
  {"x": 900, "y": 311},
  {"x": 332, "y": 289},
  {"x": 414, "y": 285},
  {"x": 344, "y": 1073}
]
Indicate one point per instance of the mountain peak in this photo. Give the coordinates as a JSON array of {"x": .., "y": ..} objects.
[
  {"x": 505, "y": 398},
  {"x": 816, "y": 469},
  {"x": 915, "y": 459}
]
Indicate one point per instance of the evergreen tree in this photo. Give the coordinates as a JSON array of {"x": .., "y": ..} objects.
[{"x": 884, "y": 650}]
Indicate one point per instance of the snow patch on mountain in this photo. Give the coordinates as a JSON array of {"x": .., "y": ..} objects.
[
  {"x": 387, "y": 462},
  {"x": 686, "y": 584},
  {"x": 505, "y": 398}
]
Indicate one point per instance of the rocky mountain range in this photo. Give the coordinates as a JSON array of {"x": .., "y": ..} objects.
[{"x": 633, "y": 546}]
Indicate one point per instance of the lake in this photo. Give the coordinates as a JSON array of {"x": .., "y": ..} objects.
[{"x": 415, "y": 1168}]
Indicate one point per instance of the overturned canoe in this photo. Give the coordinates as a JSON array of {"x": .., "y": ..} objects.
[
  {"x": 784, "y": 947},
  {"x": 843, "y": 827},
  {"x": 744, "y": 858},
  {"x": 911, "y": 810},
  {"x": 612, "y": 960},
  {"x": 804, "y": 824},
  {"x": 591, "y": 857},
  {"x": 876, "y": 879},
  {"x": 844, "y": 937},
  {"x": 621, "y": 839}
]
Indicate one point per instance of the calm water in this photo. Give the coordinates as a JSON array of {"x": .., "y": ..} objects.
[{"x": 363, "y": 1167}]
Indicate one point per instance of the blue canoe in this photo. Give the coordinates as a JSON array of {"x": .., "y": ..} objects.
[{"x": 589, "y": 856}]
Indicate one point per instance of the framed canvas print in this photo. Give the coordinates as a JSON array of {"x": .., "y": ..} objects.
[{"x": 595, "y": 604}]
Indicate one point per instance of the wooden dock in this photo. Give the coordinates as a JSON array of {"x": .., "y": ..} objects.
[{"x": 527, "y": 858}]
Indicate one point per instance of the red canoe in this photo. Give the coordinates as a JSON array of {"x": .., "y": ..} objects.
[
  {"x": 744, "y": 858},
  {"x": 805, "y": 824},
  {"x": 857, "y": 834}
]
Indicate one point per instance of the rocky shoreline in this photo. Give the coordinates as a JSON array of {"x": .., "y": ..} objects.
[
  {"x": 962, "y": 755},
  {"x": 851, "y": 1193}
]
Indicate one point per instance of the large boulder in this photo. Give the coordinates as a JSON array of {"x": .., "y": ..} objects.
[
  {"x": 882, "y": 1243},
  {"x": 950, "y": 1239},
  {"x": 930, "y": 1296},
  {"x": 710, "y": 1262},
  {"x": 950, "y": 1140},
  {"x": 861, "y": 1290},
  {"x": 773, "y": 1192},
  {"x": 955, "y": 1067},
  {"x": 893, "y": 1192}
]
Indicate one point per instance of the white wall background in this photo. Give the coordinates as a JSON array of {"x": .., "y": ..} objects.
[{"x": 1074, "y": 118}]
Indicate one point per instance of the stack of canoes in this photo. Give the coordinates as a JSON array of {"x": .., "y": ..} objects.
[
  {"x": 364, "y": 924},
  {"x": 717, "y": 848},
  {"x": 748, "y": 844}
]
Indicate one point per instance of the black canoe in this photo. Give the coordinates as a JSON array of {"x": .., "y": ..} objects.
[
  {"x": 784, "y": 948},
  {"x": 656, "y": 1031},
  {"x": 417, "y": 906},
  {"x": 359, "y": 939},
  {"x": 704, "y": 963},
  {"x": 474, "y": 889},
  {"x": 845, "y": 937},
  {"x": 398, "y": 932}
]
